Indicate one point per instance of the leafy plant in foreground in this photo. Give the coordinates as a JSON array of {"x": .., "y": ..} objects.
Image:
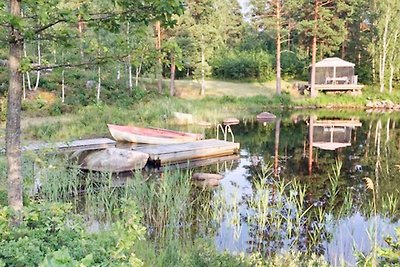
[{"x": 52, "y": 234}]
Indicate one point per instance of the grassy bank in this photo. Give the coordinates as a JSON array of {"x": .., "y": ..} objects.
[{"x": 157, "y": 112}]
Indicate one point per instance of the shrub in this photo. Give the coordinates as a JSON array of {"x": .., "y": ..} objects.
[
  {"x": 240, "y": 65},
  {"x": 293, "y": 66},
  {"x": 52, "y": 233}
]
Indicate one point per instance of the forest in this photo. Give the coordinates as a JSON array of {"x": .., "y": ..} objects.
[
  {"x": 80, "y": 64},
  {"x": 119, "y": 42}
]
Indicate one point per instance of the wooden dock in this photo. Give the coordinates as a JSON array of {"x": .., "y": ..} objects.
[
  {"x": 168, "y": 154},
  {"x": 85, "y": 144},
  {"x": 201, "y": 162},
  {"x": 183, "y": 155}
]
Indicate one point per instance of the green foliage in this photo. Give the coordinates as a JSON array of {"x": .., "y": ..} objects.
[
  {"x": 52, "y": 235},
  {"x": 390, "y": 255},
  {"x": 293, "y": 66},
  {"x": 242, "y": 65},
  {"x": 201, "y": 254},
  {"x": 62, "y": 258},
  {"x": 386, "y": 255}
]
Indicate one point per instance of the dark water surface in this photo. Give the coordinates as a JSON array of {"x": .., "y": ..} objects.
[{"x": 366, "y": 145}]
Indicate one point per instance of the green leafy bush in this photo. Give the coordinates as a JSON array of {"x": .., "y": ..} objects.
[
  {"x": 293, "y": 66},
  {"x": 52, "y": 235},
  {"x": 241, "y": 65}
]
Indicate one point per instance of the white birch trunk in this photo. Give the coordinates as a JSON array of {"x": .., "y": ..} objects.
[
  {"x": 203, "y": 72},
  {"x": 63, "y": 86},
  {"x": 394, "y": 51},
  {"x": 98, "y": 84},
  {"x": 23, "y": 87},
  {"x": 391, "y": 77},
  {"x": 28, "y": 77},
  {"x": 384, "y": 52},
  {"x": 118, "y": 72},
  {"x": 130, "y": 83},
  {"x": 40, "y": 63},
  {"x": 139, "y": 70},
  {"x": 130, "y": 73}
]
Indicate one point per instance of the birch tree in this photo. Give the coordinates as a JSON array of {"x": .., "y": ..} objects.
[
  {"x": 46, "y": 17},
  {"x": 387, "y": 31}
]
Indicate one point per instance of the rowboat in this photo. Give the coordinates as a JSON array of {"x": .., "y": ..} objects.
[{"x": 154, "y": 136}]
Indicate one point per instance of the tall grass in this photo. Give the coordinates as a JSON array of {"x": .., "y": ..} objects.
[{"x": 280, "y": 215}]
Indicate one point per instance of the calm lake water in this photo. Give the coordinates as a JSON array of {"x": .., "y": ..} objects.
[
  {"x": 299, "y": 206},
  {"x": 366, "y": 146}
]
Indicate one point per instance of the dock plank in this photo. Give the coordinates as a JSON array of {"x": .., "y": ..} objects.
[
  {"x": 167, "y": 154},
  {"x": 195, "y": 163},
  {"x": 87, "y": 144}
]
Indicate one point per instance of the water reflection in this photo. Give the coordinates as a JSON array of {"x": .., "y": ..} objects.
[
  {"x": 306, "y": 147},
  {"x": 333, "y": 135}
]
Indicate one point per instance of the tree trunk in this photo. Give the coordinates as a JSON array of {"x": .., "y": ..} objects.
[
  {"x": 159, "y": 67},
  {"x": 40, "y": 63},
  {"x": 98, "y": 84},
  {"x": 118, "y": 72},
  {"x": 139, "y": 69},
  {"x": 278, "y": 47},
  {"x": 137, "y": 77},
  {"x": 80, "y": 29},
  {"x": 62, "y": 79},
  {"x": 28, "y": 77},
  {"x": 23, "y": 87},
  {"x": 203, "y": 72},
  {"x": 130, "y": 81},
  {"x": 172, "y": 85},
  {"x": 13, "y": 128},
  {"x": 383, "y": 51},
  {"x": 128, "y": 40},
  {"x": 393, "y": 61},
  {"x": 391, "y": 77},
  {"x": 63, "y": 86},
  {"x": 314, "y": 50}
]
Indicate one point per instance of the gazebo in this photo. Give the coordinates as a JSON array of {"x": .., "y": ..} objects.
[{"x": 335, "y": 74}]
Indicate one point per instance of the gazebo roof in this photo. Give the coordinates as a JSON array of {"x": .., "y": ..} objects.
[{"x": 333, "y": 62}]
